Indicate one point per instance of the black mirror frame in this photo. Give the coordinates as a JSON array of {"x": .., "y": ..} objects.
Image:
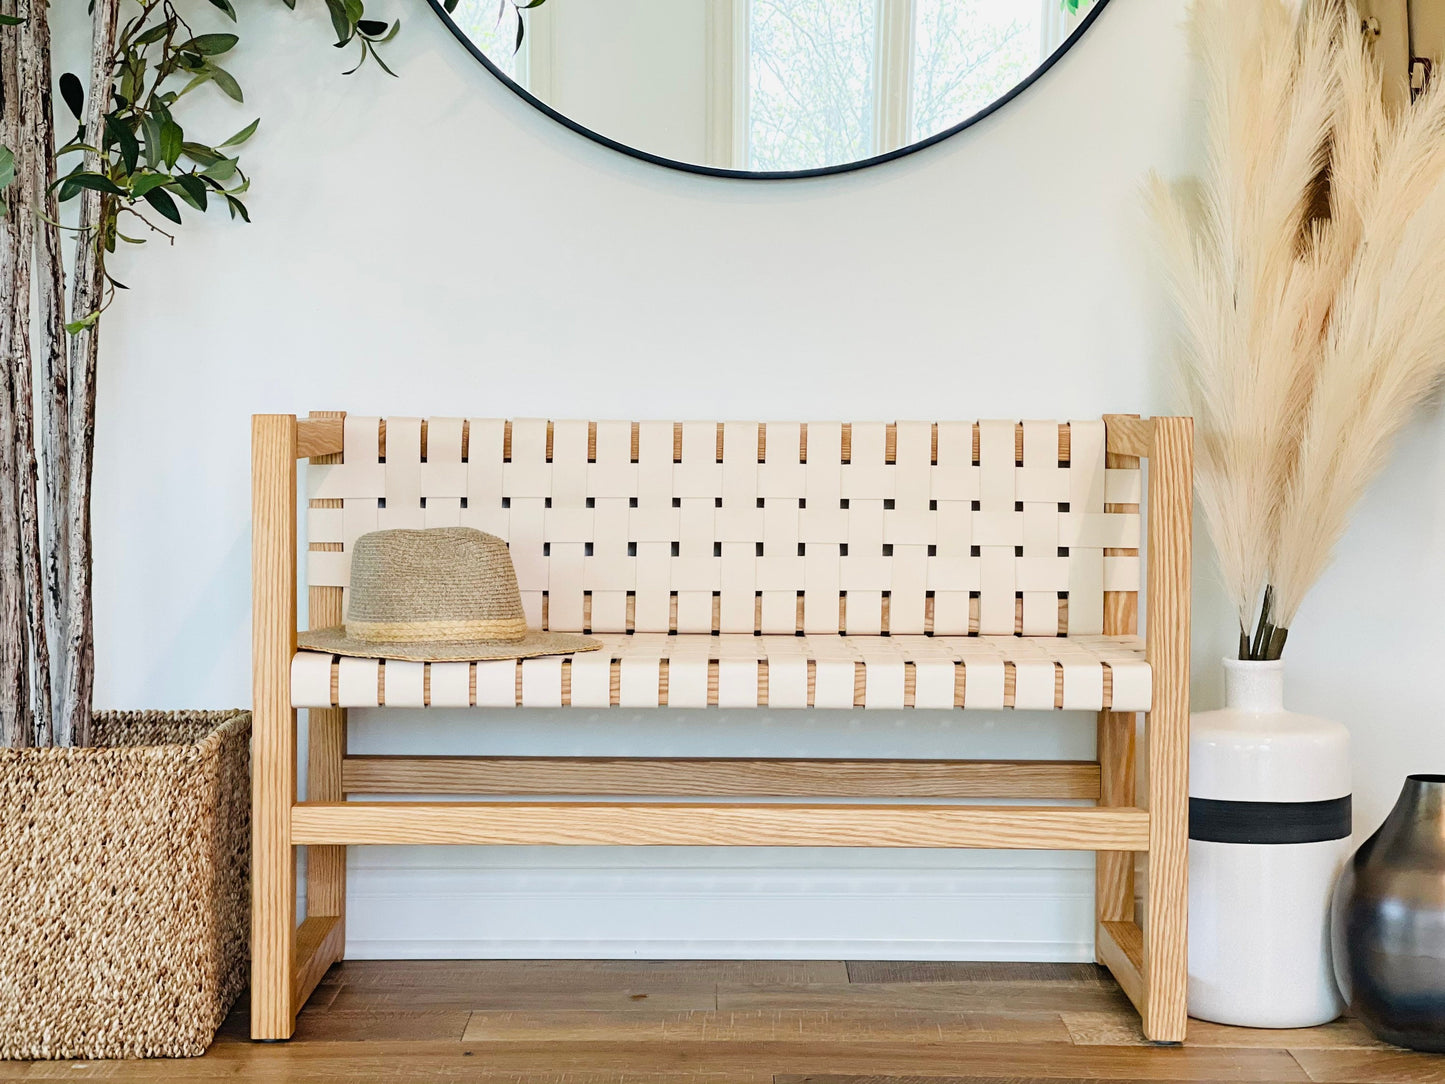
[{"x": 774, "y": 175}]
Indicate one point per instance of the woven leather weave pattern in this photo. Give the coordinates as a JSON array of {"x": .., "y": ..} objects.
[
  {"x": 645, "y": 670},
  {"x": 739, "y": 527}
]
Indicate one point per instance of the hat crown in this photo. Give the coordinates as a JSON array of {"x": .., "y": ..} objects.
[{"x": 443, "y": 584}]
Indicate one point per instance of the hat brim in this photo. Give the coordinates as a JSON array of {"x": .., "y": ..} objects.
[{"x": 335, "y": 641}]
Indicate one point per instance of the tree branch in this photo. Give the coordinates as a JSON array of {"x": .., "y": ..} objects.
[
  {"x": 88, "y": 284},
  {"x": 16, "y": 720},
  {"x": 51, "y": 349}
]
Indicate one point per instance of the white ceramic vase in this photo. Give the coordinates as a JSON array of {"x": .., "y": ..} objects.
[{"x": 1269, "y": 829}]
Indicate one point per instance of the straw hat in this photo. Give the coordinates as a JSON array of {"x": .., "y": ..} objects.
[{"x": 442, "y": 595}]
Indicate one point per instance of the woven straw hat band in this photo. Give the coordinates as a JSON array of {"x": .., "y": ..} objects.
[
  {"x": 443, "y": 585},
  {"x": 501, "y": 630}
]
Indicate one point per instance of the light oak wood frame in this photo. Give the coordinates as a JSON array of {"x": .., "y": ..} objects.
[{"x": 1149, "y": 959}]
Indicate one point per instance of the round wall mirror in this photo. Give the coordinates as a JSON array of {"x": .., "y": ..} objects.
[{"x": 767, "y": 88}]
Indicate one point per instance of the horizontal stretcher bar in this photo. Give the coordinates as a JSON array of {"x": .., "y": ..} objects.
[
  {"x": 735, "y": 777},
  {"x": 707, "y": 824},
  {"x": 1120, "y": 947}
]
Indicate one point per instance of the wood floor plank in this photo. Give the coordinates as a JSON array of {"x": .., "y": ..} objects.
[
  {"x": 1115, "y": 1029},
  {"x": 325, "y": 994},
  {"x": 329, "y": 1025},
  {"x": 363, "y": 1063},
  {"x": 579, "y": 974},
  {"x": 976, "y": 971},
  {"x": 767, "y": 1025},
  {"x": 1389, "y": 1066},
  {"x": 526, "y": 997},
  {"x": 833, "y": 1078},
  {"x": 335, "y": 1062},
  {"x": 972, "y": 996},
  {"x": 1049, "y": 1060},
  {"x": 788, "y": 1022}
]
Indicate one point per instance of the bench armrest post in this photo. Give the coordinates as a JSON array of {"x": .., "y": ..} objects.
[
  {"x": 1165, "y": 955},
  {"x": 273, "y": 751}
]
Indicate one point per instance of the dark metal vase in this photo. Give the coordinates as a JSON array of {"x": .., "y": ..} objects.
[{"x": 1389, "y": 921}]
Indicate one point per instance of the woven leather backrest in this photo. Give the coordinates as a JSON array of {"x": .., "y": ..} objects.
[{"x": 954, "y": 528}]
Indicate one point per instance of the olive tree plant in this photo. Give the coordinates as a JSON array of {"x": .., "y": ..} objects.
[{"x": 132, "y": 168}]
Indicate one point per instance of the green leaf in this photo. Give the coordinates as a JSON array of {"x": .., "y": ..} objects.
[
  {"x": 241, "y": 136},
  {"x": 153, "y": 35},
  {"x": 384, "y": 67},
  {"x": 133, "y": 78},
  {"x": 339, "y": 21},
  {"x": 227, "y": 82},
  {"x": 170, "y": 142},
  {"x": 7, "y": 167},
  {"x": 151, "y": 129},
  {"x": 192, "y": 190},
  {"x": 75, "y": 327},
  {"x": 204, "y": 77},
  {"x": 201, "y": 155},
  {"x": 212, "y": 44},
  {"x": 121, "y": 135},
  {"x": 450, "y": 5},
  {"x": 73, "y": 93},
  {"x": 223, "y": 170},
  {"x": 225, "y": 5},
  {"x": 10, "y": 20},
  {"x": 97, "y": 181},
  {"x": 163, "y": 203},
  {"x": 139, "y": 186},
  {"x": 237, "y": 208}
]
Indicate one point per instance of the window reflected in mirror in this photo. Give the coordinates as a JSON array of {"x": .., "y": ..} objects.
[{"x": 769, "y": 86}]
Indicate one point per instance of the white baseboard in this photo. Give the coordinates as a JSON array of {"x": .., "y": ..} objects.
[{"x": 678, "y": 904}]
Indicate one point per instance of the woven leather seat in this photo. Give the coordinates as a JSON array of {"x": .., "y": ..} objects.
[{"x": 645, "y": 670}]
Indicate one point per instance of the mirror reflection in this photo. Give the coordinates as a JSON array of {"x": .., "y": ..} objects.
[{"x": 768, "y": 85}]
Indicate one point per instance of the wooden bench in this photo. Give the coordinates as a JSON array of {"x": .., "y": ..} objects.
[{"x": 910, "y": 565}]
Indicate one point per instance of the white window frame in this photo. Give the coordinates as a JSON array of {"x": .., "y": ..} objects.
[{"x": 729, "y": 77}]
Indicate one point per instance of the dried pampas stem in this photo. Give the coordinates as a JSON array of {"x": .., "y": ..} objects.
[{"x": 1303, "y": 266}]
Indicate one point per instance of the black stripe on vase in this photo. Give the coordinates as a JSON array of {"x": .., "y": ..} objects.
[{"x": 1215, "y": 821}]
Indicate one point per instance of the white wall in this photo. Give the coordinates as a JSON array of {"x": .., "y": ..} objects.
[{"x": 430, "y": 245}]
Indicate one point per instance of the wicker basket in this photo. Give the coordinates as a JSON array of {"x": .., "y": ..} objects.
[{"x": 124, "y": 887}]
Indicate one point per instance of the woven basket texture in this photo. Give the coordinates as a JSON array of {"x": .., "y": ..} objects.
[{"x": 124, "y": 876}]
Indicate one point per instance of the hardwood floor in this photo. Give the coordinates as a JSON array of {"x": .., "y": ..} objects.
[{"x": 747, "y": 1022}]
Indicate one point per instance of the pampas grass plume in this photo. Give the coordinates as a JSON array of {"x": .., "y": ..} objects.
[{"x": 1305, "y": 266}]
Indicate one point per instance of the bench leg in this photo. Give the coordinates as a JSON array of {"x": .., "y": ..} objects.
[
  {"x": 1165, "y": 963},
  {"x": 273, "y": 873},
  {"x": 1114, "y": 870},
  {"x": 326, "y": 866},
  {"x": 1165, "y": 971}
]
